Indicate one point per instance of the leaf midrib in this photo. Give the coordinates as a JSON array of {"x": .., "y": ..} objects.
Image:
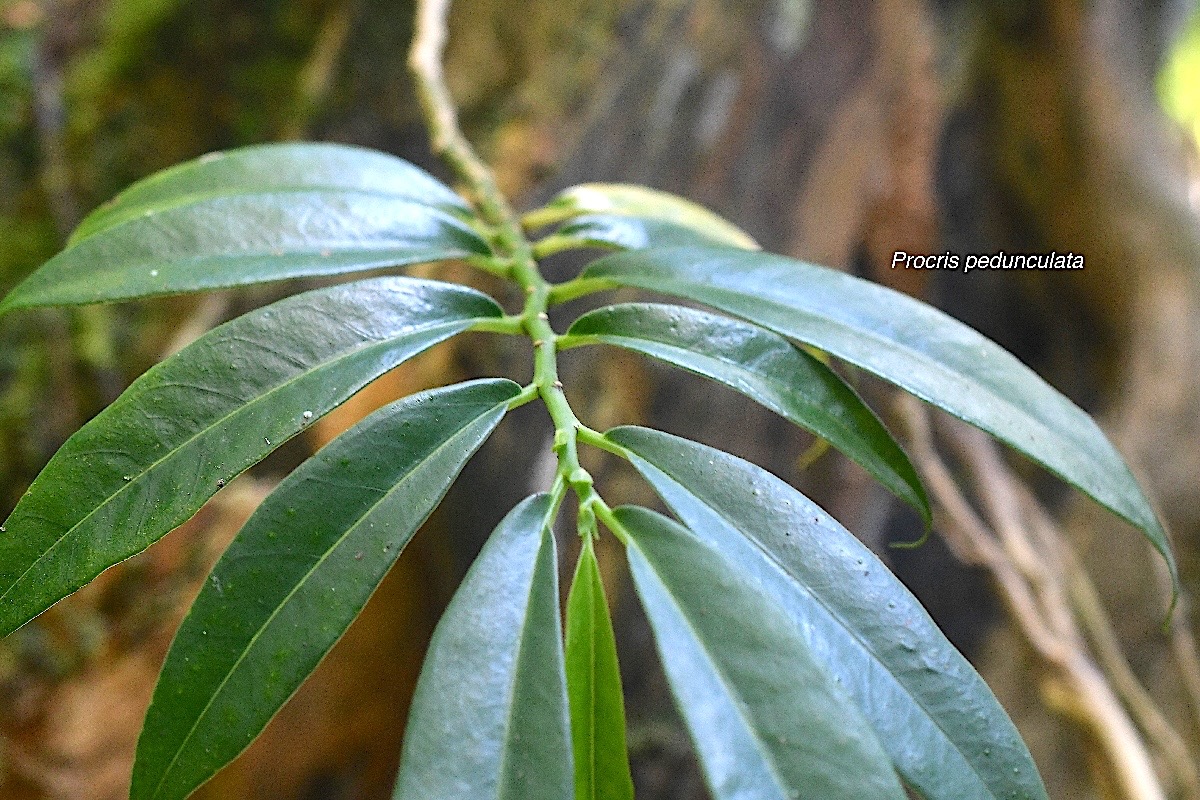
[
  {"x": 428, "y": 251},
  {"x": 751, "y": 730},
  {"x": 629, "y": 343},
  {"x": 304, "y": 580},
  {"x": 127, "y": 485},
  {"x": 729, "y": 298},
  {"x": 124, "y": 216},
  {"x": 841, "y": 622},
  {"x": 592, "y": 672},
  {"x": 1119, "y": 503},
  {"x": 511, "y": 693},
  {"x": 426, "y": 246}
]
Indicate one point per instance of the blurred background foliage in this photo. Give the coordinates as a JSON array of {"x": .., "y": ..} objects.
[
  {"x": 833, "y": 130},
  {"x": 1179, "y": 80}
]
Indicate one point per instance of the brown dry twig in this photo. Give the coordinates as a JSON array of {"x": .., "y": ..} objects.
[
  {"x": 1053, "y": 603},
  {"x": 447, "y": 140}
]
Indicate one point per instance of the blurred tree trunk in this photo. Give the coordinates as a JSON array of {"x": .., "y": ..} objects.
[{"x": 838, "y": 132}]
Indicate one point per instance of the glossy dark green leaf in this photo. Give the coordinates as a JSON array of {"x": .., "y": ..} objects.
[
  {"x": 594, "y": 689},
  {"x": 261, "y": 169},
  {"x": 146, "y": 463},
  {"x": 297, "y": 575},
  {"x": 767, "y": 719},
  {"x": 937, "y": 719},
  {"x": 766, "y": 368},
  {"x": 251, "y": 216},
  {"x": 909, "y": 343},
  {"x": 614, "y": 211},
  {"x": 489, "y": 717}
]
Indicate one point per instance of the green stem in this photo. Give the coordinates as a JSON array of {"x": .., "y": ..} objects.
[
  {"x": 544, "y": 248},
  {"x": 544, "y": 217},
  {"x": 545, "y": 371},
  {"x": 514, "y": 256},
  {"x": 509, "y": 324},
  {"x": 606, "y": 515},
  {"x": 600, "y": 441},
  {"x": 527, "y": 395},
  {"x": 490, "y": 263},
  {"x": 562, "y": 292}
]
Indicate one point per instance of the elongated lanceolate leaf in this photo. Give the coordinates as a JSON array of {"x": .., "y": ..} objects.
[
  {"x": 937, "y": 719},
  {"x": 767, "y": 720},
  {"x": 607, "y": 204},
  {"x": 902, "y": 340},
  {"x": 594, "y": 689},
  {"x": 297, "y": 575},
  {"x": 766, "y": 368},
  {"x": 242, "y": 239},
  {"x": 489, "y": 717},
  {"x": 261, "y": 169},
  {"x": 146, "y": 463}
]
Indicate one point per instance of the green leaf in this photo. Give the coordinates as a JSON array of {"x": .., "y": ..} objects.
[
  {"x": 939, "y": 722},
  {"x": 767, "y": 719},
  {"x": 634, "y": 233},
  {"x": 263, "y": 169},
  {"x": 594, "y": 689},
  {"x": 619, "y": 208},
  {"x": 252, "y": 216},
  {"x": 146, "y": 463},
  {"x": 489, "y": 717},
  {"x": 765, "y": 367},
  {"x": 907, "y": 342},
  {"x": 297, "y": 575}
]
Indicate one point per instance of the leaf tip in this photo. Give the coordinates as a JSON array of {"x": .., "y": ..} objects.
[
  {"x": 919, "y": 502},
  {"x": 1156, "y": 533},
  {"x": 1176, "y": 590}
]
